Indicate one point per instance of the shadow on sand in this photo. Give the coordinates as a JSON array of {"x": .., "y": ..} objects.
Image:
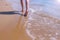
[{"x": 11, "y": 13}]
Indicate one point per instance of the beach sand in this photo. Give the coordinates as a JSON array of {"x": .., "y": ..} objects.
[
  {"x": 11, "y": 27},
  {"x": 36, "y": 26},
  {"x": 39, "y": 25},
  {"x": 5, "y": 6}
]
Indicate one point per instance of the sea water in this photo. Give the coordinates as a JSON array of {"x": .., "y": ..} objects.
[{"x": 50, "y": 6}]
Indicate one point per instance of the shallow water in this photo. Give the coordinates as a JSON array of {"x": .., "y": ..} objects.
[
  {"x": 50, "y": 6},
  {"x": 41, "y": 26}
]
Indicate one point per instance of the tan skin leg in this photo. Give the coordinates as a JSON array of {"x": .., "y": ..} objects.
[
  {"x": 27, "y": 6},
  {"x": 22, "y": 5}
]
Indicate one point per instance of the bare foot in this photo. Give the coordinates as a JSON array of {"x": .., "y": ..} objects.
[
  {"x": 26, "y": 13},
  {"x": 22, "y": 12}
]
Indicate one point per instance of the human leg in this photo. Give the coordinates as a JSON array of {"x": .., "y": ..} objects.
[
  {"x": 27, "y": 7},
  {"x": 22, "y": 5}
]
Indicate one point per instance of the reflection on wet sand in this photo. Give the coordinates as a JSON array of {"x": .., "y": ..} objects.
[
  {"x": 11, "y": 24},
  {"x": 12, "y": 28}
]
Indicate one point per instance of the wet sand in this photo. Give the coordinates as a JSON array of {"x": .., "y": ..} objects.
[
  {"x": 36, "y": 26},
  {"x": 39, "y": 25},
  {"x": 12, "y": 27}
]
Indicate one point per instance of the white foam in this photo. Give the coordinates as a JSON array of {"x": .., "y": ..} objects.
[
  {"x": 57, "y": 33},
  {"x": 28, "y": 32},
  {"x": 30, "y": 18},
  {"x": 53, "y": 38},
  {"x": 32, "y": 10}
]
